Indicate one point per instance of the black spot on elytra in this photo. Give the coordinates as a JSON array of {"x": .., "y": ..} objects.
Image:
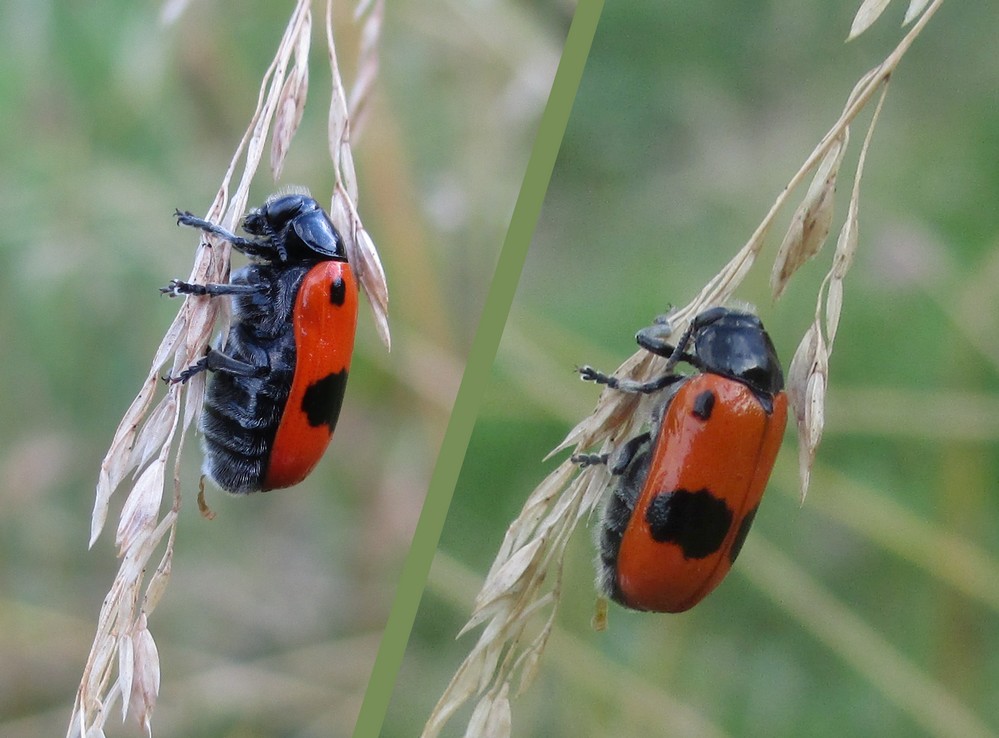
[
  {"x": 697, "y": 522},
  {"x": 740, "y": 536},
  {"x": 704, "y": 403},
  {"x": 323, "y": 398},
  {"x": 338, "y": 291}
]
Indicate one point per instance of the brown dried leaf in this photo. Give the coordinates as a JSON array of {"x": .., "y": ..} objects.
[
  {"x": 535, "y": 509},
  {"x": 491, "y": 717},
  {"x": 102, "y": 500},
  {"x": 361, "y": 250},
  {"x": 120, "y": 460},
  {"x": 597, "y": 481},
  {"x": 291, "y": 100},
  {"x": 338, "y": 132},
  {"x": 846, "y": 244},
  {"x": 138, "y": 515},
  {"x": 530, "y": 661},
  {"x": 161, "y": 577},
  {"x": 371, "y": 14},
  {"x": 869, "y": 11},
  {"x": 811, "y": 221},
  {"x": 806, "y": 388},
  {"x": 808, "y": 441},
  {"x": 723, "y": 285},
  {"x": 287, "y": 118},
  {"x": 126, "y": 662},
  {"x": 800, "y": 368},
  {"x": 146, "y": 683},
  {"x": 834, "y": 307},
  {"x": 916, "y": 7},
  {"x": 512, "y": 594},
  {"x": 156, "y": 430},
  {"x": 203, "y": 312},
  {"x": 612, "y": 410},
  {"x": 566, "y": 507},
  {"x": 373, "y": 281},
  {"x": 500, "y": 583},
  {"x": 363, "y": 258},
  {"x": 194, "y": 397},
  {"x": 458, "y": 691},
  {"x": 492, "y": 649},
  {"x": 816, "y": 401}
]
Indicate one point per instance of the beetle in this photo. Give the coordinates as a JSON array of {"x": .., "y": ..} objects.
[
  {"x": 279, "y": 377},
  {"x": 687, "y": 490}
]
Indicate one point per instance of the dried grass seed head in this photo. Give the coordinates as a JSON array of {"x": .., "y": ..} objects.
[{"x": 146, "y": 435}]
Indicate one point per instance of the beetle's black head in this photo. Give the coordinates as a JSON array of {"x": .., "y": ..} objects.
[
  {"x": 735, "y": 345},
  {"x": 297, "y": 228}
]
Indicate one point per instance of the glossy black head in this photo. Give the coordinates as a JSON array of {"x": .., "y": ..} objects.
[
  {"x": 297, "y": 227},
  {"x": 734, "y": 344}
]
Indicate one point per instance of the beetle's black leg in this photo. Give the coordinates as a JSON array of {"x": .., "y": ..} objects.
[
  {"x": 622, "y": 458},
  {"x": 178, "y": 287},
  {"x": 655, "y": 337},
  {"x": 585, "y": 460},
  {"x": 619, "y": 460},
  {"x": 589, "y": 374},
  {"x": 216, "y": 361},
  {"x": 654, "y": 340},
  {"x": 246, "y": 245}
]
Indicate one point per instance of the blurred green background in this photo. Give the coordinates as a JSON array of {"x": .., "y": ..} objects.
[
  {"x": 873, "y": 608},
  {"x": 109, "y": 121}
]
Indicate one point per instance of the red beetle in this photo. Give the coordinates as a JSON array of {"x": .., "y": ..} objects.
[
  {"x": 688, "y": 489},
  {"x": 279, "y": 378}
]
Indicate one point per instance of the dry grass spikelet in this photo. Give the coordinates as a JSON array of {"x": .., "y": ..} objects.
[
  {"x": 524, "y": 579},
  {"x": 871, "y": 10},
  {"x": 360, "y": 247},
  {"x": 124, "y": 663}
]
